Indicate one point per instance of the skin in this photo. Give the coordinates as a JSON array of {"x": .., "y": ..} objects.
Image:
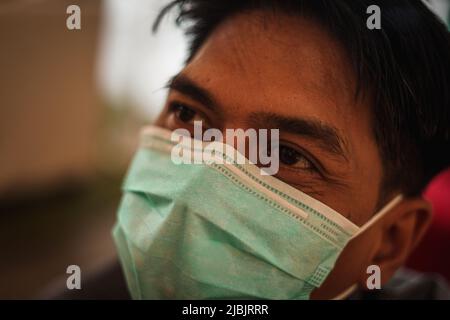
[{"x": 260, "y": 64}]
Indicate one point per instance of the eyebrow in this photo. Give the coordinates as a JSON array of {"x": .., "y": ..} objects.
[
  {"x": 188, "y": 87},
  {"x": 328, "y": 137}
]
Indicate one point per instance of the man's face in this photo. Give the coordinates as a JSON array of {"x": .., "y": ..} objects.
[{"x": 259, "y": 71}]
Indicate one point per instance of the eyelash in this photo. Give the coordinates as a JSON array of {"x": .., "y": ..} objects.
[
  {"x": 302, "y": 154},
  {"x": 176, "y": 106}
]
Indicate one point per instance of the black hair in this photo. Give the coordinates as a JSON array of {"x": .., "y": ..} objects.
[{"x": 405, "y": 65}]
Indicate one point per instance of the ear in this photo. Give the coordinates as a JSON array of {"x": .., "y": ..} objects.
[{"x": 399, "y": 233}]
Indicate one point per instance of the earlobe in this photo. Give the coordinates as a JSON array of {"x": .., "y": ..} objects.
[{"x": 401, "y": 231}]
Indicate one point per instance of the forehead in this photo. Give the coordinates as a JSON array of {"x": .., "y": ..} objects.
[{"x": 260, "y": 61}]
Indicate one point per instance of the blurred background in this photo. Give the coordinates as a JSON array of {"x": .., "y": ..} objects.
[{"x": 71, "y": 105}]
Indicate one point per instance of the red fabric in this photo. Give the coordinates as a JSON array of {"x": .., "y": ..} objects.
[{"x": 433, "y": 253}]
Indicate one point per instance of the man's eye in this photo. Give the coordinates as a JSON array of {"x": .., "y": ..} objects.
[
  {"x": 292, "y": 158},
  {"x": 183, "y": 112}
]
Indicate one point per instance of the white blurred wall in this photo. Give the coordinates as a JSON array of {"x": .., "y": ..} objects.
[
  {"x": 441, "y": 8},
  {"x": 135, "y": 64}
]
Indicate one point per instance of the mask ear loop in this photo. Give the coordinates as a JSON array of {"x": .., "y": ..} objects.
[
  {"x": 347, "y": 292},
  {"x": 380, "y": 214}
]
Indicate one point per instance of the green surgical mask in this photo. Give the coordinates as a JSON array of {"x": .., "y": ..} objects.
[{"x": 210, "y": 231}]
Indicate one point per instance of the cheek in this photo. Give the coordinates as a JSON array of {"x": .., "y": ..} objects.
[
  {"x": 350, "y": 268},
  {"x": 366, "y": 166},
  {"x": 368, "y": 183},
  {"x": 161, "y": 119}
]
